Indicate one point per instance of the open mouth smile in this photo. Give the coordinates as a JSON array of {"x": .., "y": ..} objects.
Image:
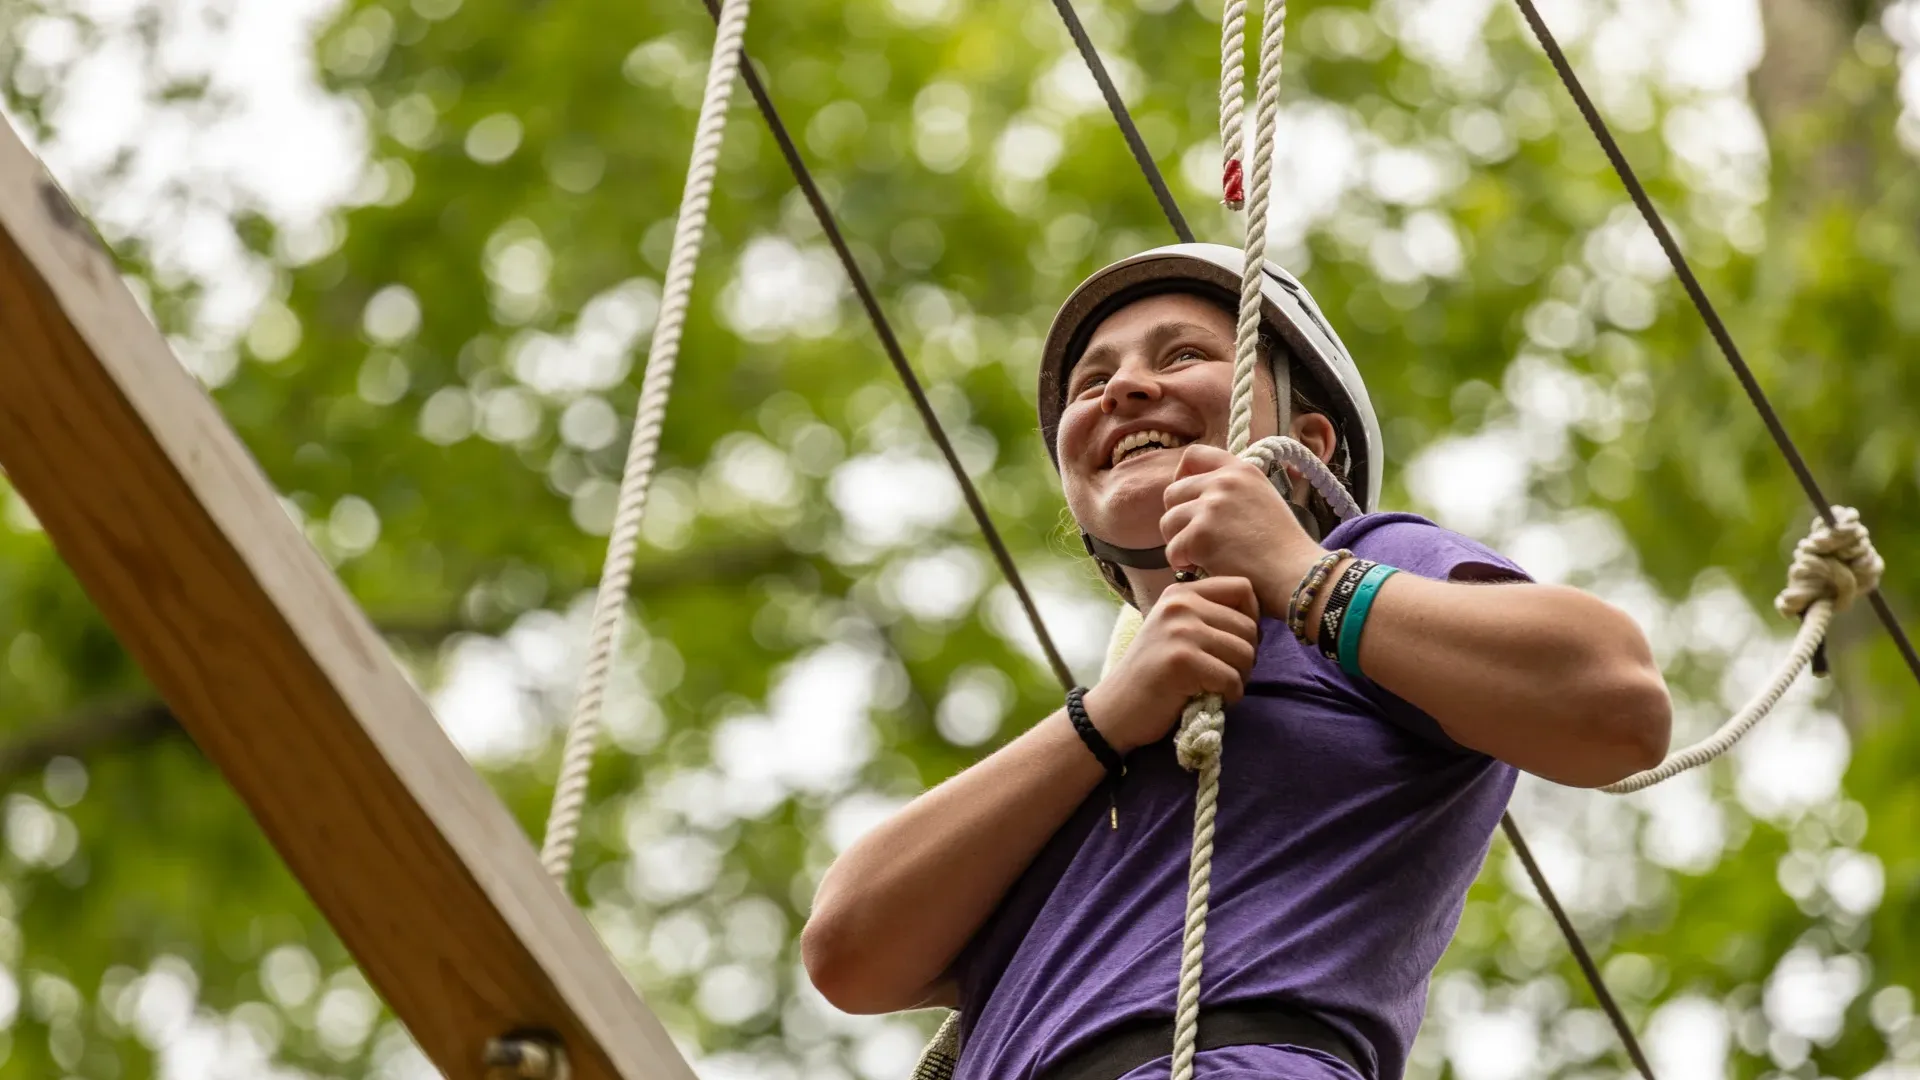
[{"x": 1141, "y": 443}]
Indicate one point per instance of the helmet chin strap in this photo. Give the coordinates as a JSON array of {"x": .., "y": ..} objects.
[{"x": 1155, "y": 558}]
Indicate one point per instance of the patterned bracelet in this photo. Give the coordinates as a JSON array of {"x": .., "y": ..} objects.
[
  {"x": 1308, "y": 590},
  {"x": 1336, "y": 610},
  {"x": 1355, "y": 621}
]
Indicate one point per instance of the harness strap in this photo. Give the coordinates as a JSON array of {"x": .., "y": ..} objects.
[{"x": 1261, "y": 1023}]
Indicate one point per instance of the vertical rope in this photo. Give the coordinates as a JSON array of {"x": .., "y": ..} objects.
[
  {"x": 1203, "y": 722},
  {"x": 1233, "y": 62},
  {"x": 1273, "y": 33},
  {"x": 609, "y": 603}
]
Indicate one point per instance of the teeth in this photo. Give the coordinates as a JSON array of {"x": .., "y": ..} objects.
[{"x": 1138, "y": 439}]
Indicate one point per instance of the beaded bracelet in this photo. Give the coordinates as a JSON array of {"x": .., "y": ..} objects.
[
  {"x": 1308, "y": 590},
  {"x": 1336, "y": 609}
]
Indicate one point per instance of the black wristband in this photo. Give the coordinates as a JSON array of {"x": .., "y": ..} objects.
[
  {"x": 1336, "y": 609},
  {"x": 1096, "y": 742}
]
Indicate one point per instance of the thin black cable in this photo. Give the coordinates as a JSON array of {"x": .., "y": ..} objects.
[
  {"x": 1159, "y": 185},
  {"x": 1704, "y": 306},
  {"x": 1580, "y": 954},
  {"x": 891, "y": 345},
  {"x": 1125, "y": 119}
]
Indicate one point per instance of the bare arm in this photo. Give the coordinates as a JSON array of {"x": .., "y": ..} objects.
[
  {"x": 1543, "y": 677},
  {"x": 895, "y": 909}
]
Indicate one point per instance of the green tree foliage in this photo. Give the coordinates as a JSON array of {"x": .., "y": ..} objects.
[{"x": 440, "y": 375}]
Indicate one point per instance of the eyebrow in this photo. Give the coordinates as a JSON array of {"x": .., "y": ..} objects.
[{"x": 1156, "y": 337}]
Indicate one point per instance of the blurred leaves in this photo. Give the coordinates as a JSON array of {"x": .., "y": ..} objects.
[{"x": 438, "y": 375}]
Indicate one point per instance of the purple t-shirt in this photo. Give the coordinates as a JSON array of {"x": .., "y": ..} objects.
[{"x": 1349, "y": 829}]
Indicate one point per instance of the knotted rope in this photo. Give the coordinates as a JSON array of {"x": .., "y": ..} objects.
[
  {"x": 1203, "y": 721},
  {"x": 609, "y": 603},
  {"x": 1831, "y": 567}
]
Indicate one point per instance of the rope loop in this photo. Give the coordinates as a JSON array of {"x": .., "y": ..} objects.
[
  {"x": 1834, "y": 562},
  {"x": 1831, "y": 567},
  {"x": 1276, "y": 452}
]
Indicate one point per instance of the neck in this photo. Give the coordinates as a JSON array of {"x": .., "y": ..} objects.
[{"x": 1147, "y": 585}]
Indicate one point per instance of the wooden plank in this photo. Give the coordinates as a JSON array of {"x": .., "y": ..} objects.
[{"x": 175, "y": 533}]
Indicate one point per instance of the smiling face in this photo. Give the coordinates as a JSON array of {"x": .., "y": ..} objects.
[{"x": 1156, "y": 375}]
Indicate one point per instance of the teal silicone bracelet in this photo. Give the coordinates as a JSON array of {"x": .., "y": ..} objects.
[{"x": 1356, "y": 619}]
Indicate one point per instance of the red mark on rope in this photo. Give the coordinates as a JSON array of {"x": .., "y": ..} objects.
[{"x": 1233, "y": 188}]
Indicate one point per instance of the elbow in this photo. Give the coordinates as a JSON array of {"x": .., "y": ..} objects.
[
  {"x": 829, "y": 967},
  {"x": 1630, "y": 723},
  {"x": 830, "y": 951},
  {"x": 1645, "y": 721}
]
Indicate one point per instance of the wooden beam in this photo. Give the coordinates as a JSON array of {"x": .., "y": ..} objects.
[{"x": 175, "y": 533}]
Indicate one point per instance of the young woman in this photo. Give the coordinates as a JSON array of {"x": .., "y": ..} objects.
[{"x": 1355, "y": 808}]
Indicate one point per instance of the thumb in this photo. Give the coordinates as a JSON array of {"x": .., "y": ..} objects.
[{"x": 1200, "y": 458}]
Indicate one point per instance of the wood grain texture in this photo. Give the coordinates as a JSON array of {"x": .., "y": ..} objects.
[{"x": 178, "y": 538}]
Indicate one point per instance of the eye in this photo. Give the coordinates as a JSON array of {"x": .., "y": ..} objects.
[
  {"x": 1089, "y": 382},
  {"x": 1184, "y": 354}
]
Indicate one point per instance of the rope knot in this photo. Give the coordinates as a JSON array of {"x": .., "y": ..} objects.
[
  {"x": 1198, "y": 741},
  {"x": 1833, "y": 562}
]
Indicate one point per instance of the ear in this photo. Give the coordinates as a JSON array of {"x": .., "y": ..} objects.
[{"x": 1315, "y": 431}]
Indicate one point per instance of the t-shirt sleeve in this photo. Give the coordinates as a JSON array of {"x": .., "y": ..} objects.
[{"x": 1420, "y": 547}]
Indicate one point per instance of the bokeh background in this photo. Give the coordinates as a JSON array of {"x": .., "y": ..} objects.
[{"x": 413, "y": 248}]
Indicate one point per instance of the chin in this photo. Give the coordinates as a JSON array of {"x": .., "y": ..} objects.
[{"x": 1130, "y": 506}]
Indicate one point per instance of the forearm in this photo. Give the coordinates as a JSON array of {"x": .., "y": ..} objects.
[
  {"x": 1544, "y": 677},
  {"x": 896, "y": 908}
]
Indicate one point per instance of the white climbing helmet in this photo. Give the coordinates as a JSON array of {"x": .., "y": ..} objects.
[{"x": 1213, "y": 270}]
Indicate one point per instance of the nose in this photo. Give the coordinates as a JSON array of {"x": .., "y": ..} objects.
[{"x": 1132, "y": 384}]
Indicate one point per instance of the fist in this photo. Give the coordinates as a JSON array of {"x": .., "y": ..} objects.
[
  {"x": 1225, "y": 517},
  {"x": 1199, "y": 638}
]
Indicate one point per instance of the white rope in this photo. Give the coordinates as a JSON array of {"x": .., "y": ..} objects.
[
  {"x": 1278, "y": 451},
  {"x": 1233, "y": 92},
  {"x": 1253, "y": 272},
  {"x": 1203, "y": 721},
  {"x": 1831, "y": 567},
  {"x": 583, "y": 729}
]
